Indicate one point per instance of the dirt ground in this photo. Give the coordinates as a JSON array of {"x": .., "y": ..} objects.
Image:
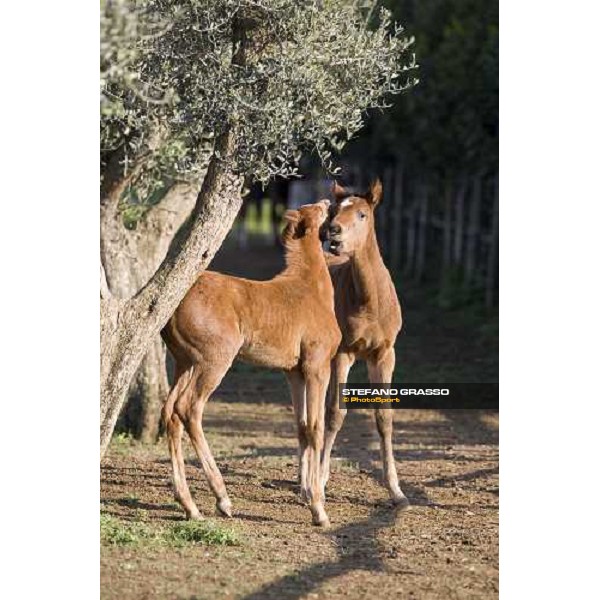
[{"x": 445, "y": 546}]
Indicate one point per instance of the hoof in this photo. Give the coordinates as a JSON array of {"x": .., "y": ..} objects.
[
  {"x": 319, "y": 517},
  {"x": 194, "y": 515},
  {"x": 400, "y": 501},
  {"x": 224, "y": 507},
  {"x": 321, "y": 522}
]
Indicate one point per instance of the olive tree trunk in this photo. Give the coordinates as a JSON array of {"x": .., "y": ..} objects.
[
  {"x": 129, "y": 323},
  {"x": 130, "y": 258},
  {"x": 147, "y": 393}
]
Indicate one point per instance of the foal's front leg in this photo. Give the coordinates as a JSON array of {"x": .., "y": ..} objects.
[
  {"x": 316, "y": 388},
  {"x": 381, "y": 370}
]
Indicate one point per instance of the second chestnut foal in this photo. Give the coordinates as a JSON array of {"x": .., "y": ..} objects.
[
  {"x": 369, "y": 315},
  {"x": 287, "y": 323}
]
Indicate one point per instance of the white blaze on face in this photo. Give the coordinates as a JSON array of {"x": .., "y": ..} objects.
[{"x": 346, "y": 202}]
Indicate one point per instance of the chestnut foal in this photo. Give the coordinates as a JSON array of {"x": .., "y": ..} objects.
[
  {"x": 287, "y": 323},
  {"x": 369, "y": 315}
]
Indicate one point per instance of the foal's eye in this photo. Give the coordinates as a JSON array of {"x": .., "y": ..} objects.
[{"x": 361, "y": 215}]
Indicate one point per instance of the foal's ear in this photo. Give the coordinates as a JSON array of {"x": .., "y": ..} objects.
[
  {"x": 293, "y": 225},
  {"x": 291, "y": 216},
  {"x": 337, "y": 191},
  {"x": 375, "y": 192}
]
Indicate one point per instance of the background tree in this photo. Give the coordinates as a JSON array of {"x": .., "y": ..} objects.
[
  {"x": 438, "y": 151},
  {"x": 450, "y": 123},
  {"x": 203, "y": 92}
]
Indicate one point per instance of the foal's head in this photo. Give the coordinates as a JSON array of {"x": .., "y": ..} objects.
[
  {"x": 306, "y": 221},
  {"x": 352, "y": 218}
]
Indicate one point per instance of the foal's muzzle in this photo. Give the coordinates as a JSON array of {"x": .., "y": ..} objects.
[
  {"x": 324, "y": 230},
  {"x": 335, "y": 242},
  {"x": 334, "y": 229}
]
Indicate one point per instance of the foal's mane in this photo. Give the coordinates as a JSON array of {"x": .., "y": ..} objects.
[{"x": 294, "y": 232}]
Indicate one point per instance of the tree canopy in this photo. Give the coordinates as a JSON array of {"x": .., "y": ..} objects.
[{"x": 305, "y": 75}]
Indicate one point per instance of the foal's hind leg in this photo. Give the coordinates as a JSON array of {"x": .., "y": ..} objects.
[
  {"x": 381, "y": 370},
  {"x": 174, "y": 427},
  {"x": 191, "y": 414},
  {"x": 298, "y": 391}
]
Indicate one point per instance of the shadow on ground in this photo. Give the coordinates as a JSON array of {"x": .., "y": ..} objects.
[
  {"x": 444, "y": 547},
  {"x": 357, "y": 549}
]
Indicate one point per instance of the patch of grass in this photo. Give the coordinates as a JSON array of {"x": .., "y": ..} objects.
[
  {"x": 116, "y": 532},
  {"x": 201, "y": 532},
  {"x": 139, "y": 514}
]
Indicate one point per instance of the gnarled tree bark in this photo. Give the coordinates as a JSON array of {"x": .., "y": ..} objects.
[
  {"x": 147, "y": 393},
  {"x": 130, "y": 258},
  {"x": 129, "y": 324}
]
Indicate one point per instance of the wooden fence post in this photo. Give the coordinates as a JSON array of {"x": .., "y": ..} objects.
[
  {"x": 474, "y": 229},
  {"x": 411, "y": 236},
  {"x": 460, "y": 219},
  {"x": 384, "y": 212},
  {"x": 396, "y": 237},
  {"x": 447, "y": 243},
  {"x": 422, "y": 240},
  {"x": 490, "y": 276}
]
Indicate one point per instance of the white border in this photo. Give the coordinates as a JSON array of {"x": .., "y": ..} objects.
[
  {"x": 49, "y": 247},
  {"x": 549, "y": 299}
]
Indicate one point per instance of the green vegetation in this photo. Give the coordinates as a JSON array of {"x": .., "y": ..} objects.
[
  {"x": 117, "y": 532},
  {"x": 200, "y": 532},
  {"x": 290, "y": 77}
]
